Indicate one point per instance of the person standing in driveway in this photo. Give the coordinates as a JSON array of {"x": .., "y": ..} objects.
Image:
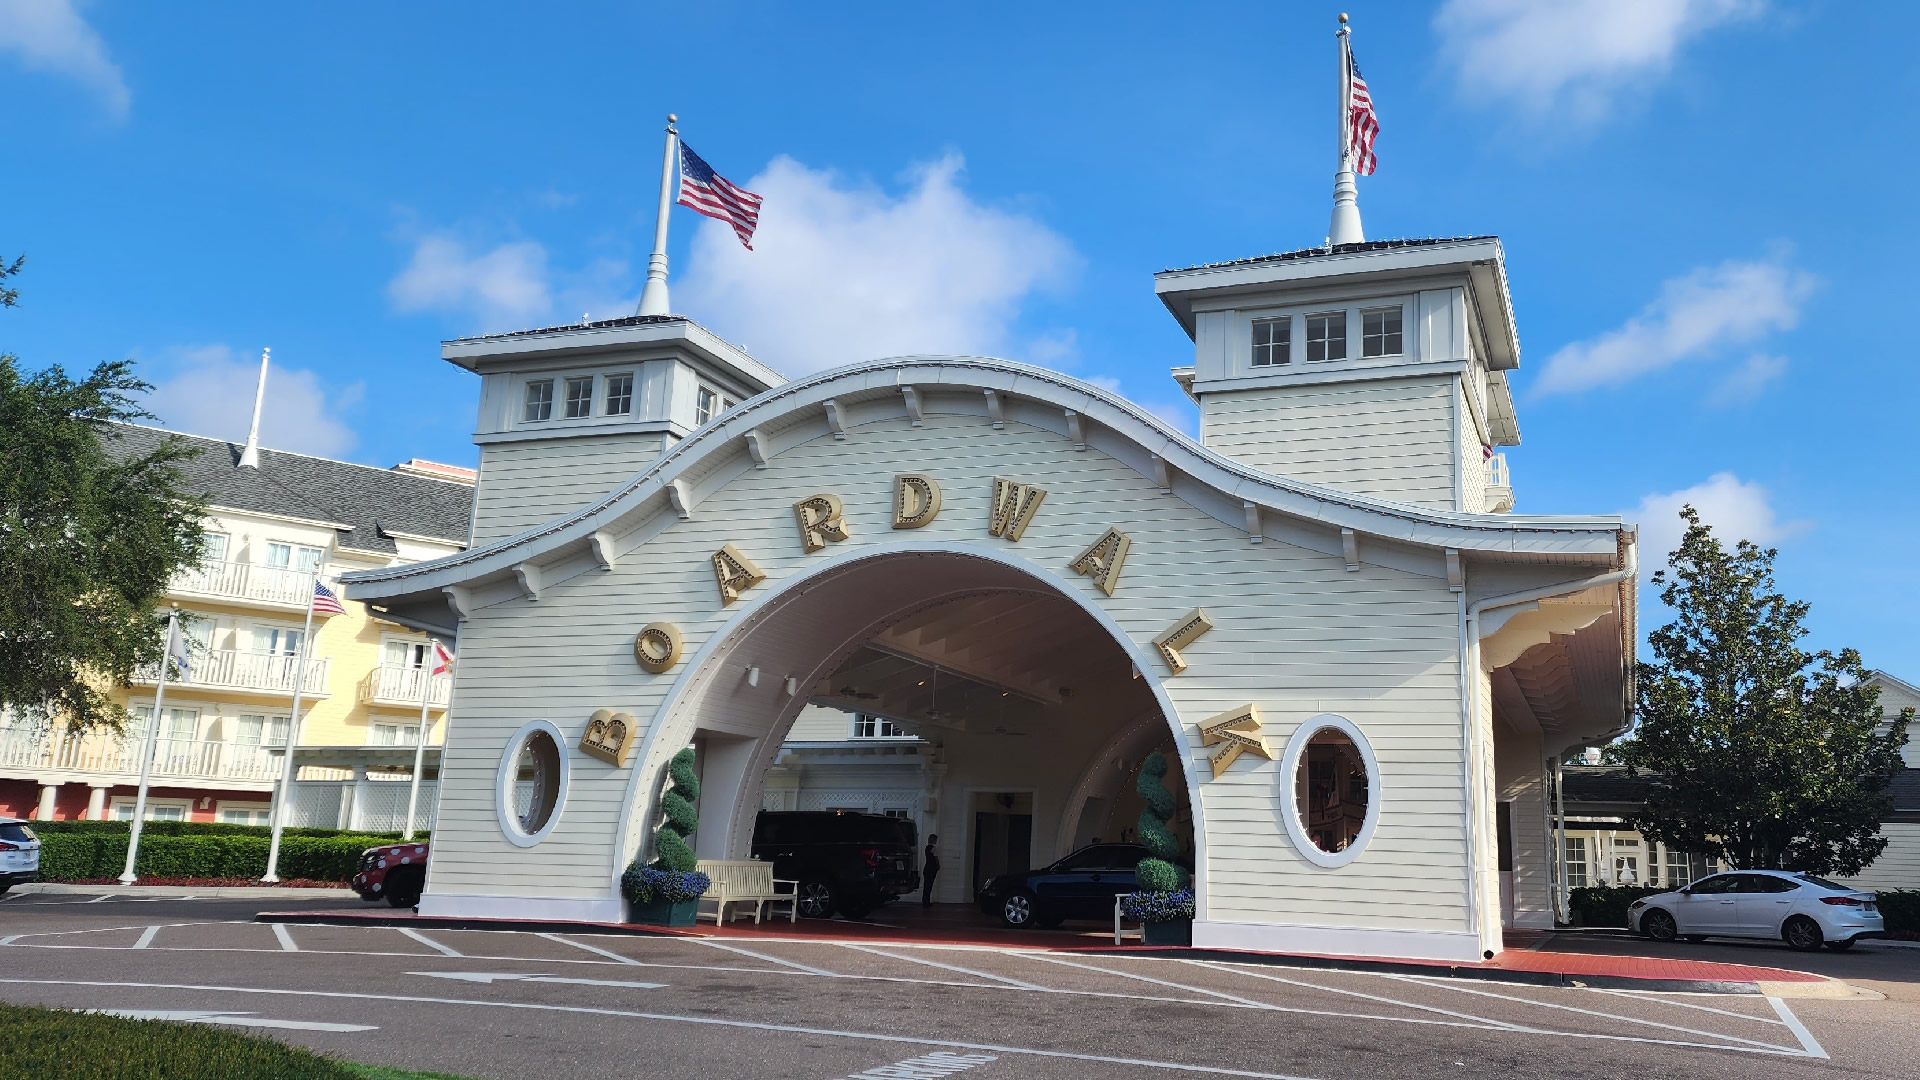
[{"x": 929, "y": 868}]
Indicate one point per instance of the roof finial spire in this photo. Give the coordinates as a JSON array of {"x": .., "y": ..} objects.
[
  {"x": 653, "y": 297},
  {"x": 1345, "y": 227},
  {"x": 250, "y": 457}
]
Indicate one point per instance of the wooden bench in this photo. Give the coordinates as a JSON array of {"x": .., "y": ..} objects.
[{"x": 746, "y": 881}]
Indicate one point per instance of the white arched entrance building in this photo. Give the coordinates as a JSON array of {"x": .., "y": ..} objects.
[{"x": 1363, "y": 665}]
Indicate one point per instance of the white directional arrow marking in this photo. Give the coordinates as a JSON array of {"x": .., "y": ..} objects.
[
  {"x": 200, "y": 1016},
  {"x": 505, "y": 976}
]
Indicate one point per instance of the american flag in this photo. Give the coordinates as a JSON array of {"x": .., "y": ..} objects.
[
  {"x": 442, "y": 659},
  {"x": 324, "y": 602},
  {"x": 1363, "y": 124},
  {"x": 717, "y": 197}
]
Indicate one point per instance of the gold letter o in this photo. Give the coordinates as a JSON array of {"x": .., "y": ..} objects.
[{"x": 657, "y": 646}]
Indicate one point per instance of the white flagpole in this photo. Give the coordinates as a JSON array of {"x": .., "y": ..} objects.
[
  {"x": 653, "y": 298},
  {"x": 280, "y": 805},
  {"x": 1345, "y": 227},
  {"x": 127, "y": 876},
  {"x": 420, "y": 743}
]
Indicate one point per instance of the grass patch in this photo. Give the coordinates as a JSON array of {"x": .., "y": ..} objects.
[{"x": 56, "y": 1044}]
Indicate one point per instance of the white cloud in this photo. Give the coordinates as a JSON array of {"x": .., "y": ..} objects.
[
  {"x": 1737, "y": 510},
  {"x": 210, "y": 392},
  {"x": 505, "y": 285},
  {"x": 1708, "y": 309},
  {"x": 50, "y": 35},
  {"x": 1745, "y": 383},
  {"x": 843, "y": 272},
  {"x": 1571, "y": 57}
]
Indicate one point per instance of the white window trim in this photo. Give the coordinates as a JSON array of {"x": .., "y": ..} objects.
[
  {"x": 115, "y": 802},
  {"x": 606, "y": 392},
  {"x": 1240, "y": 354},
  {"x": 508, "y": 776},
  {"x": 554, "y": 383},
  {"x": 1375, "y": 310},
  {"x": 560, "y": 399},
  {"x": 1290, "y": 800},
  {"x": 221, "y": 806}
]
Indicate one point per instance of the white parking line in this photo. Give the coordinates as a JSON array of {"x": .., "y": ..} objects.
[
  {"x": 589, "y": 948},
  {"x": 706, "y": 1021},
  {"x": 146, "y": 937},
  {"x": 423, "y": 939},
  {"x": 795, "y": 964},
  {"x": 1430, "y": 981},
  {"x": 1807, "y": 1042},
  {"x": 944, "y": 967},
  {"x": 1654, "y": 995},
  {"x": 1239, "y": 970},
  {"x": 286, "y": 938},
  {"x": 1148, "y": 979}
]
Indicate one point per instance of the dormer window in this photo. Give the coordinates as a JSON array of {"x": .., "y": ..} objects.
[
  {"x": 619, "y": 395},
  {"x": 579, "y": 398},
  {"x": 539, "y": 402},
  {"x": 1327, "y": 336},
  {"x": 1272, "y": 342},
  {"x": 703, "y": 402},
  {"x": 1380, "y": 332}
]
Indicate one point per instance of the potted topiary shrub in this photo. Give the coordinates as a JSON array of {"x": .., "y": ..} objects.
[
  {"x": 1163, "y": 902},
  {"x": 667, "y": 893}
]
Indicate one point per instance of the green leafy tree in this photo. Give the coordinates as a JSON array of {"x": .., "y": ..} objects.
[
  {"x": 681, "y": 818},
  {"x": 1159, "y": 873},
  {"x": 1760, "y": 752},
  {"x": 88, "y": 540}
]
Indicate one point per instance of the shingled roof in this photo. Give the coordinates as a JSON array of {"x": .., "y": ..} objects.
[{"x": 369, "y": 505}]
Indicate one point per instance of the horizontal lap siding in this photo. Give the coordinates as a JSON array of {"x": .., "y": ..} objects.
[
  {"x": 526, "y": 484},
  {"x": 1295, "y": 633},
  {"x": 1898, "y": 867},
  {"x": 1391, "y": 438}
]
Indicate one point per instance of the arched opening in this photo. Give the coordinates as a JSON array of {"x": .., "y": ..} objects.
[{"x": 975, "y": 699}]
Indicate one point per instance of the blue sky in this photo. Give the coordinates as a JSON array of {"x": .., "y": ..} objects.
[{"x": 1706, "y": 206}]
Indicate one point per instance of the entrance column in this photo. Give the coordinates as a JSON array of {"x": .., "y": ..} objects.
[
  {"x": 49, "y": 795},
  {"x": 97, "y": 802}
]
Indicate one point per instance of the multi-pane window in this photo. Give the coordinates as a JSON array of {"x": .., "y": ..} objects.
[
  {"x": 241, "y": 816},
  {"x": 1272, "y": 342},
  {"x": 1327, "y": 336},
  {"x": 257, "y": 729},
  {"x": 400, "y": 653},
  {"x": 539, "y": 401},
  {"x": 394, "y": 735},
  {"x": 276, "y": 640},
  {"x": 579, "y": 398},
  {"x": 1380, "y": 332},
  {"x": 215, "y": 549},
  {"x": 619, "y": 395},
  {"x": 1576, "y": 862},
  {"x": 868, "y": 726},
  {"x": 176, "y": 725},
  {"x": 703, "y": 402},
  {"x": 1679, "y": 868},
  {"x": 299, "y": 557}
]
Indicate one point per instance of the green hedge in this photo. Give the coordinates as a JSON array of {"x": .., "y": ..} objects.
[
  {"x": 1606, "y": 905},
  {"x": 44, "y": 1044},
  {"x": 200, "y": 828},
  {"x": 1901, "y": 909},
  {"x": 76, "y": 856}
]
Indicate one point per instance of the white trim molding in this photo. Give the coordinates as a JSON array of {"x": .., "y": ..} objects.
[
  {"x": 1289, "y": 801},
  {"x": 1455, "y": 945},
  {"x": 508, "y": 776},
  {"x": 571, "y": 909}
]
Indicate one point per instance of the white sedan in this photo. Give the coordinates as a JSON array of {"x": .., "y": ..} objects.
[
  {"x": 19, "y": 854},
  {"x": 1801, "y": 909}
]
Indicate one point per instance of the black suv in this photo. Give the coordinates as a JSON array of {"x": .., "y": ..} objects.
[
  {"x": 850, "y": 863},
  {"x": 1080, "y": 886}
]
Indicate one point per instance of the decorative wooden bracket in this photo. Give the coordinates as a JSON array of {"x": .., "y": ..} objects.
[
  {"x": 1350, "y": 547},
  {"x": 602, "y": 544},
  {"x": 994, "y": 410},
  {"x": 836, "y": 419},
  {"x": 912, "y": 398},
  {"x": 1163, "y": 474},
  {"x": 681, "y": 497},
  {"x": 1252, "y": 511},
  {"x": 757, "y": 448},
  {"x": 1076, "y": 430},
  {"x": 528, "y": 575}
]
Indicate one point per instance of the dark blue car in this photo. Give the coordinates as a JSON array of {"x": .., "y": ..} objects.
[{"x": 1080, "y": 886}]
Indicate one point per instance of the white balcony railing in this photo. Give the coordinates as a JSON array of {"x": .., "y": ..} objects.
[
  {"x": 245, "y": 581},
  {"x": 236, "y": 669},
  {"x": 97, "y": 753},
  {"x": 398, "y": 684}
]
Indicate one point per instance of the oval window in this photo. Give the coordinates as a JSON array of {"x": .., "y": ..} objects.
[
  {"x": 533, "y": 783},
  {"x": 1333, "y": 798}
]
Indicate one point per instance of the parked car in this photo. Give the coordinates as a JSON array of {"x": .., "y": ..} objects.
[
  {"x": 1080, "y": 886},
  {"x": 397, "y": 872},
  {"x": 1805, "y": 911},
  {"x": 850, "y": 863},
  {"x": 19, "y": 854}
]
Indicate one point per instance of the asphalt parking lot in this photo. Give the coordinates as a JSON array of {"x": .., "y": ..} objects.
[{"x": 511, "y": 1004}]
